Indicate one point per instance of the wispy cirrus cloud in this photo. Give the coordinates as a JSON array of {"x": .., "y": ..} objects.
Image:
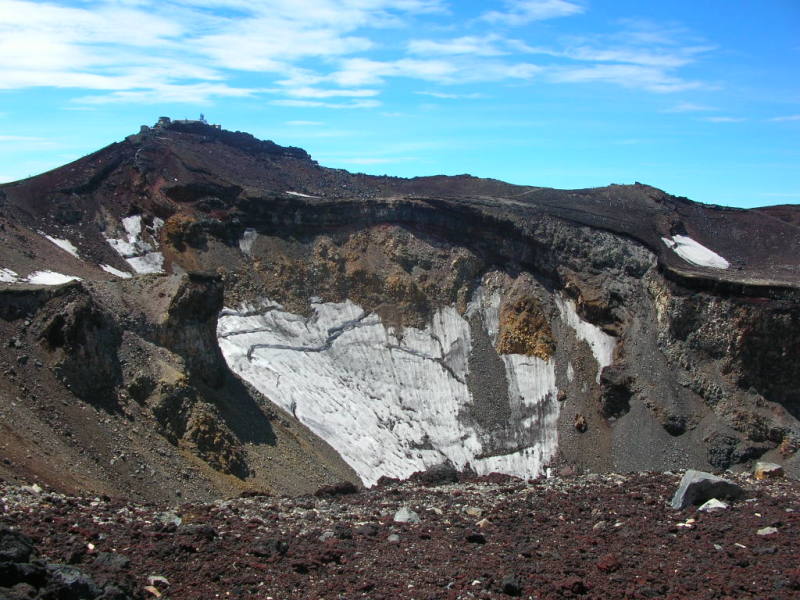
[
  {"x": 785, "y": 118},
  {"x": 141, "y": 51},
  {"x": 308, "y": 52},
  {"x": 451, "y": 96},
  {"x": 319, "y": 104},
  {"x": 640, "y": 55},
  {"x": 685, "y": 107},
  {"x": 723, "y": 119},
  {"x": 522, "y": 12}
]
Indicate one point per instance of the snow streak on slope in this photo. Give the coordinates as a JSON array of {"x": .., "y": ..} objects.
[
  {"x": 599, "y": 341},
  {"x": 8, "y": 276},
  {"x": 140, "y": 254},
  {"x": 49, "y": 278},
  {"x": 390, "y": 402},
  {"x": 117, "y": 272},
  {"x": 695, "y": 253},
  {"x": 65, "y": 245}
]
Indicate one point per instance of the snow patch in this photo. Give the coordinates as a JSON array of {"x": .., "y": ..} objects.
[
  {"x": 694, "y": 252},
  {"x": 599, "y": 341},
  {"x": 152, "y": 262},
  {"x": 8, "y": 276},
  {"x": 301, "y": 195},
  {"x": 65, "y": 245},
  {"x": 117, "y": 272},
  {"x": 49, "y": 278},
  {"x": 248, "y": 239},
  {"x": 390, "y": 403},
  {"x": 140, "y": 254}
]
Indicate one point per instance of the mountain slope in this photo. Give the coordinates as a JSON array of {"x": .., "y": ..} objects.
[{"x": 414, "y": 321}]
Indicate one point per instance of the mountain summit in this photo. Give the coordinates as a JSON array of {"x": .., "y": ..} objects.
[{"x": 196, "y": 306}]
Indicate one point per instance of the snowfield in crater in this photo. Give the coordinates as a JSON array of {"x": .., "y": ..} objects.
[
  {"x": 694, "y": 252},
  {"x": 394, "y": 402}
]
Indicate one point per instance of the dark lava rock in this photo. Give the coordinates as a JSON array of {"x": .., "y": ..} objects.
[
  {"x": 510, "y": 586},
  {"x": 112, "y": 561},
  {"x": 69, "y": 582},
  {"x": 15, "y": 547},
  {"x": 475, "y": 537},
  {"x": 573, "y": 584},
  {"x": 12, "y": 574},
  {"x": 267, "y": 548},
  {"x": 337, "y": 489},
  {"x": 368, "y": 530},
  {"x": 437, "y": 474},
  {"x": 698, "y": 487}
]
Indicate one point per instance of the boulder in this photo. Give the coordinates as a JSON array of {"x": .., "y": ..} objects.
[
  {"x": 406, "y": 515},
  {"x": 698, "y": 487},
  {"x": 767, "y": 470}
]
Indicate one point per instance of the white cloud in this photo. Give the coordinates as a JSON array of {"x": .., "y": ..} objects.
[
  {"x": 318, "y": 104},
  {"x": 684, "y": 107},
  {"x": 632, "y": 76},
  {"x": 785, "y": 118},
  {"x": 199, "y": 93},
  {"x": 191, "y": 51},
  {"x": 522, "y": 12},
  {"x": 143, "y": 50},
  {"x": 309, "y": 92},
  {"x": 360, "y": 71},
  {"x": 723, "y": 119},
  {"x": 20, "y": 138},
  {"x": 472, "y": 45},
  {"x": 449, "y": 96}
]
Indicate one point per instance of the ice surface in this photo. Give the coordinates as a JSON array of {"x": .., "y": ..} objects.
[
  {"x": 49, "y": 278},
  {"x": 599, "y": 341},
  {"x": 390, "y": 403},
  {"x": 140, "y": 254},
  {"x": 8, "y": 276},
  {"x": 117, "y": 272},
  {"x": 63, "y": 244},
  {"x": 152, "y": 262},
  {"x": 694, "y": 252},
  {"x": 248, "y": 239}
]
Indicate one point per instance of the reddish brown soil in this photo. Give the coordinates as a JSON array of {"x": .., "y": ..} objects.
[{"x": 600, "y": 536}]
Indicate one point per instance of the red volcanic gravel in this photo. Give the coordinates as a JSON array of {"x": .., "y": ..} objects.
[{"x": 597, "y": 536}]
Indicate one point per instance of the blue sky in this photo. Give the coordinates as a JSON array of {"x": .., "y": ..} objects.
[{"x": 699, "y": 98}]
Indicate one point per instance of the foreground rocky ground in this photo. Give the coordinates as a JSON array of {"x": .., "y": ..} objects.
[{"x": 594, "y": 536}]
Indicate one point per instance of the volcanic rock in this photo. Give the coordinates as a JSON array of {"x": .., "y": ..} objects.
[{"x": 697, "y": 487}]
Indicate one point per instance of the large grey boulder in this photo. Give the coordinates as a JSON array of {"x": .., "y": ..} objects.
[{"x": 698, "y": 487}]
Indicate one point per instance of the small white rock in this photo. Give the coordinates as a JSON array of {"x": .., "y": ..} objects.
[
  {"x": 406, "y": 515},
  {"x": 713, "y": 505},
  {"x": 767, "y": 531}
]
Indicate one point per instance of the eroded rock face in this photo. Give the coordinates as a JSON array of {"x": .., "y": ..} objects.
[
  {"x": 408, "y": 322},
  {"x": 82, "y": 341}
]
